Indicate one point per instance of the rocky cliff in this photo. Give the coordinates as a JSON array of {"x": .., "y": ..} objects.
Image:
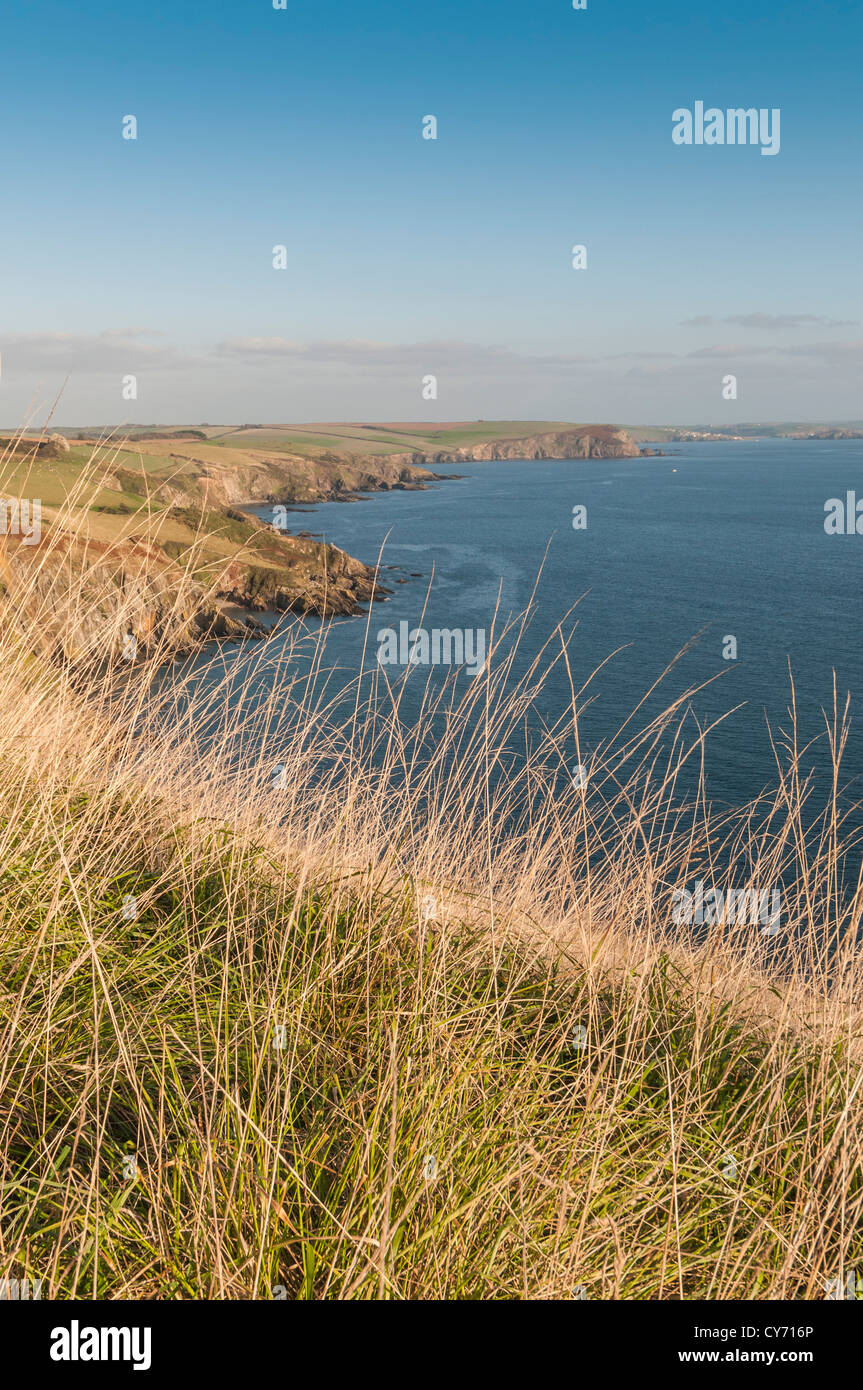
[
  {"x": 162, "y": 550},
  {"x": 580, "y": 442},
  {"x": 228, "y": 478},
  {"x": 90, "y": 602}
]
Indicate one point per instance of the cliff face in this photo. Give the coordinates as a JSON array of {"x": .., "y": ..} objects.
[
  {"x": 229, "y": 477},
  {"x": 828, "y": 433},
  {"x": 286, "y": 478},
  {"x": 80, "y": 600},
  {"x": 312, "y": 578},
  {"x": 82, "y": 595},
  {"x": 581, "y": 442}
]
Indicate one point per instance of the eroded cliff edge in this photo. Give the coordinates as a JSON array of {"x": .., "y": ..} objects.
[
  {"x": 165, "y": 552},
  {"x": 580, "y": 442}
]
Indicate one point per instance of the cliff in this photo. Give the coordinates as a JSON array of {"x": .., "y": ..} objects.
[
  {"x": 80, "y": 599},
  {"x": 228, "y": 477},
  {"x": 579, "y": 442},
  {"x": 293, "y": 574},
  {"x": 158, "y": 548},
  {"x": 216, "y": 475}
]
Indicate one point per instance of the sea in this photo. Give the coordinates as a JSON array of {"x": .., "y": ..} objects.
[{"x": 709, "y": 571}]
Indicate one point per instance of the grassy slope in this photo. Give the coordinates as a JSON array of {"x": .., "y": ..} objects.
[
  {"x": 308, "y": 440},
  {"x": 270, "y": 1161},
  {"x": 158, "y": 493},
  {"x": 237, "y": 1020},
  {"x": 185, "y": 484}
]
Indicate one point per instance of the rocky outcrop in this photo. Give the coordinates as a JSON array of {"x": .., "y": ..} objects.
[
  {"x": 326, "y": 583},
  {"x": 51, "y": 447},
  {"x": 90, "y": 602}
]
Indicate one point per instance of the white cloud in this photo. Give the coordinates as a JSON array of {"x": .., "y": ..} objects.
[
  {"x": 398, "y": 357},
  {"x": 111, "y": 351},
  {"x": 770, "y": 322}
]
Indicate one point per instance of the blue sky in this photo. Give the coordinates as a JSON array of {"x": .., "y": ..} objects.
[{"x": 408, "y": 257}]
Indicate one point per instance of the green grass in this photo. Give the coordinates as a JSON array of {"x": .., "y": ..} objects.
[
  {"x": 301, "y": 1168},
  {"x": 373, "y": 439},
  {"x": 456, "y": 966}
]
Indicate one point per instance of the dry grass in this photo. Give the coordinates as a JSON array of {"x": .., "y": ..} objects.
[{"x": 239, "y": 1019}]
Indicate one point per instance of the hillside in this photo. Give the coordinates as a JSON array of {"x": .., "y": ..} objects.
[
  {"x": 375, "y": 450},
  {"x": 163, "y": 550},
  {"x": 155, "y": 517},
  {"x": 380, "y": 1027},
  {"x": 320, "y": 1007}
]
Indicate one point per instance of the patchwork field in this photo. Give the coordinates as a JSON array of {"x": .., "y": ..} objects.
[{"x": 350, "y": 436}]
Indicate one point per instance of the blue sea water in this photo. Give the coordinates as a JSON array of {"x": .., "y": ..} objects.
[{"x": 717, "y": 540}]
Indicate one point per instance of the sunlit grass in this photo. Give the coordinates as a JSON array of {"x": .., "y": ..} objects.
[{"x": 239, "y": 1020}]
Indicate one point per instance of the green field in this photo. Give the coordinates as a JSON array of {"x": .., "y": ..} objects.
[
  {"x": 384, "y": 438},
  {"x": 308, "y": 439}
]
